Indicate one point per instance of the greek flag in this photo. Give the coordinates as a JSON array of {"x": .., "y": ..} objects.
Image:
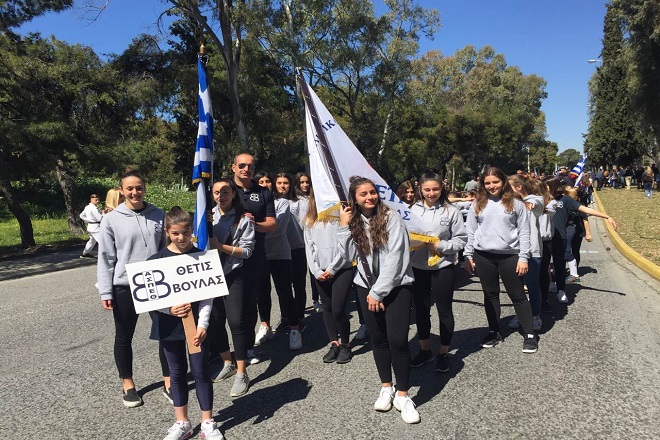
[
  {"x": 203, "y": 165},
  {"x": 577, "y": 169}
]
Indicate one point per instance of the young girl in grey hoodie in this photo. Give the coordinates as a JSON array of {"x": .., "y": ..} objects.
[
  {"x": 130, "y": 233},
  {"x": 434, "y": 267},
  {"x": 332, "y": 275},
  {"x": 377, "y": 238},
  {"x": 498, "y": 246}
]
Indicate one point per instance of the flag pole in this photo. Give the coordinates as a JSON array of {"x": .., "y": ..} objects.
[{"x": 207, "y": 181}]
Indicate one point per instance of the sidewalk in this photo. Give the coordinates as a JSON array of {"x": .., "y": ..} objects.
[{"x": 42, "y": 263}]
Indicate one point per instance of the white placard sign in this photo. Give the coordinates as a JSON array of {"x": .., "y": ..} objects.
[{"x": 167, "y": 282}]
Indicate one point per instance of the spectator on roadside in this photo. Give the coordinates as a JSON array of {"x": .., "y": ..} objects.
[
  {"x": 647, "y": 179},
  {"x": 600, "y": 178},
  {"x": 656, "y": 174},
  {"x": 473, "y": 184},
  {"x": 628, "y": 175},
  {"x": 639, "y": 172},
  {"x": 92, "y": 217}
]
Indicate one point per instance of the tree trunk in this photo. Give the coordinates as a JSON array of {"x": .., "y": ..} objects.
[
  {"x": 236, "y": 109},
  {"x": 68, "y": 186},
  {"x": 386, "y": 130},
  {"x": 23, "y": 218}
]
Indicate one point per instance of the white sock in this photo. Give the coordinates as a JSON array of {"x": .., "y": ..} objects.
[{"x": 572, "y": 268}]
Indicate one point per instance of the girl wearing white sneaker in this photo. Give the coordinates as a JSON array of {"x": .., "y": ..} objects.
[
  {"x": 376, "y": 237},
  {"x": 167, "y": 327},
  {"x": 233, "y": 237},
  {"x": 498, "y": 247},
  {"x": 434, "y": 268},
  {"x": 303, "y": 191},
  {"x": 333, "y": 276},
  {"x": 564, "y": 207}
]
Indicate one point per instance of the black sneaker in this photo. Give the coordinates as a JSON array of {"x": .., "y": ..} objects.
[
  {"x": 331, "y": 355},
  {"x": 546, "y": 307},
  {"x": 132, "y": 399},
  {"x": 168, "y": 395},
  {"x": 345, "y": 354},
  {"x": 491, "y": 339},
  {"x": 302, "y": 326},
  {"x": 421, "y": 358},
  {"x": 530, "y": 344},
  {"x": 442, "y": 363}
]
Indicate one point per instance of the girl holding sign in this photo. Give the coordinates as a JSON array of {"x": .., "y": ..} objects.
[
  {"x": 167, "y": 327},
  {"x": 130, "y": 233},
  {"x": 434, "y": 268},
  {"x": 376, "y": 236}
]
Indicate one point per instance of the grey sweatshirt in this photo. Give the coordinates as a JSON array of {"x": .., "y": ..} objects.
[
  {"x": 538, "y": 206},
  {"x": 394, "y": 268},
  {"x": 277, "y": 245},
  {"x": 446, "y": 223},
  {"x": 294, "y": 232},
  {"x": 243, "y": 237},
  {"x": 546, "y": 227},
  {"x": 321, "y": 249},
  {"x": 497, "y": 231},
  {"x": 127, "y": 237}
]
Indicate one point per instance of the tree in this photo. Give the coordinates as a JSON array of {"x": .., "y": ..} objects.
[
  {"x": 615, "y": 134},
  {"x": 640, "y": 20},
  {"x": 569, "y": 158},
  {"x": 13, "y": 13}
]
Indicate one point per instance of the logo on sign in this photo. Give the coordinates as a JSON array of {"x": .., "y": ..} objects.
[{"x": 150, "y": 286}]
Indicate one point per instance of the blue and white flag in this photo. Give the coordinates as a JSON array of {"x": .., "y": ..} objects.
[
  {"x": 203, "y": 165},
  {"x": 579, "y": 167}
]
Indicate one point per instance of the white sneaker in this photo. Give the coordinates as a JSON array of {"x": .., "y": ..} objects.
[
  {"x": 561, "y": 297},
  {"x": 318, "y": 307},
  {"x": 407, "y": 407},
  {"x": 552, "y": 287},
  {"x": 263, "y": 335},
  {"x": 252, "y": 357},
  {"x": 362, "y": 333},
  {"x": 385, "y": 398},
  {"x": 514, "y": 323},
  {"x": 208, "y": 431},
  {"x": 179, "y": 431},
  {"x": 536, "y": 323},
  {"x": 295, "y": 340}
]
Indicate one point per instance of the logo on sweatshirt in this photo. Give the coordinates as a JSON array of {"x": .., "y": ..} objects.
[{"x": 159, "y": 227}]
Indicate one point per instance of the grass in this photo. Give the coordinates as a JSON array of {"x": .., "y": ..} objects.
[
  {"x": 53, "y": 232},
  {"x": 637, "y": 218}
]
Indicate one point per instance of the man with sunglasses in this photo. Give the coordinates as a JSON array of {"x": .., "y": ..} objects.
[{"x": 260, "y": 207}]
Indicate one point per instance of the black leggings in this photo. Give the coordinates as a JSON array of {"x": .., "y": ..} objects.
[
  {"x": 123, "y": 312},
  {"x": 175, "y": 351},
  {"x": 388, "y": 331},
  {"x": 544, "y": 276},
  {"x": 490, "y": 267},
  {"x": 437, "y": 285},
  {"x": 280, "y": 270},
  {"x": 299, "y": 279},
  {"x": 229, "y": 308},
  {"x": 334, "y": 295},
  {"x": 558, "y": 260}
]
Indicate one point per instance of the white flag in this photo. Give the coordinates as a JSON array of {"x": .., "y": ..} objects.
[{"x": 349, "y": 162}]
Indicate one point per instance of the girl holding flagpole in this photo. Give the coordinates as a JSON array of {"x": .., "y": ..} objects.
[
  {"x": 167, "y": 328},
  {"x": 377, "y": 237},
  {"x": 434, "y": 268},
  {"x": 233, "y": 236}
]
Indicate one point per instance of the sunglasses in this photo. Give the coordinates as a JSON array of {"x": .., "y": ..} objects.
[{"x": 249, "y": 166}]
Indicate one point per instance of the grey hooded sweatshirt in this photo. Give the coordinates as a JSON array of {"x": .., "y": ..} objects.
[
  {"x": 126, "y": 237},
  {"x": 538, "y": 206},
  {"x": 322, "y": 250},
  {"x": 393, "y": 268},
  {"x": 497, "y": 231},
  {"x": 446, "y": 223}
]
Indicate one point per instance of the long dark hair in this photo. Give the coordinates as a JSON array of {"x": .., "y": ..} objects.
[
  {"x": 555, "y": 187},
  {"x": 432, "y": 175},
  {"x": 237, "y": 202},
  {"x": 296, "y": 188},
  {"x": 290, "y": 195},
  {"x": 403, "y": 189},
  {"x": 377, "y": 222},
  {"x": 506, "y": 194}
]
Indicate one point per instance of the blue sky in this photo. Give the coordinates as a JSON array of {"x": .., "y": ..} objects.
[{"x": 550, "y": 38}]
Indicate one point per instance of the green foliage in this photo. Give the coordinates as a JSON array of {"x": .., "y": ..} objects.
[
  {"x": 569, "y": 158},
  {"x": 15, "y": 12}
]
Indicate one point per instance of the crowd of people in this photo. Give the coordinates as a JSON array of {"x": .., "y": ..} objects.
[{"x": 504, "y": 227}]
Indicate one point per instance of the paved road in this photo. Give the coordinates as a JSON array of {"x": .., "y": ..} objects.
[{"x": 596, "y": 374}]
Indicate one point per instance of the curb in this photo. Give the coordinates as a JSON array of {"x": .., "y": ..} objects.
[{"x": 633, "y": 256}]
